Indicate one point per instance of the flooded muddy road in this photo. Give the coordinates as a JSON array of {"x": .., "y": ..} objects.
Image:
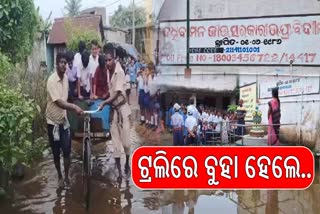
[{"x": 37, "y": 193}]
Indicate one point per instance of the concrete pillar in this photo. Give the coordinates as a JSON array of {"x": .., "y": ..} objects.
[
  {"x": 194, "y": 96},
  {"x": 233, "y": 101},
  {"x": 219, "y": 101}
]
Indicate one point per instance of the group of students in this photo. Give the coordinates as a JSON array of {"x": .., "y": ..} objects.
[
  {"x": 100, "y": 78},
  {"x": 193, "y": 126},
  {"x": 149, "y": 98},
  {"x": 89, "y": 79}
]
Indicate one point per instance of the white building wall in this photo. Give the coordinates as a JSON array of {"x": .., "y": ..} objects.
[
  {"x": 200, "y": 9},
  {"x": 115, "y": 36}
]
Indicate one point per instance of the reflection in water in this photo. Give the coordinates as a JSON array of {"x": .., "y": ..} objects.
[
  {"x": 192, "y": 201},
  {"x": 272, "y": 206},
  {"x": 38, "y": 194},
  {"x": 178, "y": 202},
  {"x": 63, "y": 202},
  {"x": 128, "y": 197}
]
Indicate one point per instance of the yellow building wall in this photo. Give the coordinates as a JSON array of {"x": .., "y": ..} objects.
[{"x": 148, "y": 40}]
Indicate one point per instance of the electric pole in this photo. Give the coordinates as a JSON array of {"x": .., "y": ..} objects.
[
  {"x": 188, "y": 34},
  {"x": 133, "y": 24},
  {"x": 187, "y": 71}
]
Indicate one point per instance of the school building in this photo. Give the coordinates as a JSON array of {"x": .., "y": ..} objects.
[{"x": 248, "y": 45}]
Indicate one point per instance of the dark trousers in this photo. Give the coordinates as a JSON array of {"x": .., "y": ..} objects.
[
  {"x": 84, "y": 93},
  {"x": 191, "y": 140},
  {"x": 178, "y": 138},
  {"x": 241, "y": 130},
  {"x": 63, "y": 144}
]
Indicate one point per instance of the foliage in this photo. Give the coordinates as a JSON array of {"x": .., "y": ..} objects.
[
  {"x": 76, "y": 34},
  {"x": 123, "y": 17},
  {"x": 2, "y": 193},
  {"x": 5, "y": 65},
  {"x": 84, "y": 36},
  {"x": 19, "y": 24},
  {"x": 257, "y": 116},
  {"x": 73, "y": 7},
  {"x": 35, "y": 85},
  {"x": 232, "y": 108},
  {"x": 44, "y": 25},
  {"x": 17, "y": 112}
]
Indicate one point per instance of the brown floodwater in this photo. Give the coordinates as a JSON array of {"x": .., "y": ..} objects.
[{"x": 37, "y": 193}]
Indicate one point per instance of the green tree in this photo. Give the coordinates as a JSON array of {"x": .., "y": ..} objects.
[
  {"x": 45, "y": 25},
  {"x": 75, "y": 34},
  {"x": 18, "y": 26},
  {"x": 5, "y": 66},
  {"x": 73, "y": 7},
  {"x": 17, "y": 112},
  {"x": 123, "y": 17}
]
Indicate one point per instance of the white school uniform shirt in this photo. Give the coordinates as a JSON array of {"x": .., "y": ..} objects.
[
  {"x": 147, "y": 84},
  {"x": 140, "y": 82},
  {"x": 194, "y": 111},
  {"x": 213, "y": 118},
  {"x": 218, "y": 121},
  {"x": 227, "y": 123},
  {"x": 190, "y": 122},
  {"x": 77, "y": 61},
  {"x": 204, "y": 116},
  {"x": 177, "y": 120},
  {"x": 83, "y": 74},
  {"x": 154, "y": 86},
  {"x": 93, "y": 64},
  {"x": 128, "y": 81}
]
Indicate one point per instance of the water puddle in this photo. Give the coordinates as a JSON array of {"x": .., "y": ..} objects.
[{"x": 38, "y": 193}]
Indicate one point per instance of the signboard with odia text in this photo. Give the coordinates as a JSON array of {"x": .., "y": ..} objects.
[
  {"x": 248, "y": 94},
  {"x": 288, "y": 86},
  {"x": 256, "y": 41}
]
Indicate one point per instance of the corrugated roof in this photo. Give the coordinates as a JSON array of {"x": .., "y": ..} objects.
[{"x": 58, "y": 33}]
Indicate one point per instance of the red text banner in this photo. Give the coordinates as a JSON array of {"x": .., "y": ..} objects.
[{"x": 222, "y": 167}]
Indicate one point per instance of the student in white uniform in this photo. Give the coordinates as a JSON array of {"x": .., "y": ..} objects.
[
  {"x": 152, "y": 92},
  {"x": 177, "y": 125},
  {"x": 94, "y": 60},
  {"x": 140, "y": 79},
  {"x": 191, "y": 125},
  {"x": 146, "y": 99},
  {"x": 193, "y": 109},
  {"x": 218, "y": 123},
  {"x": 77, "y": 63},
  {"x": 83, "y": 75},
  {"x": 128, "y": 87}
]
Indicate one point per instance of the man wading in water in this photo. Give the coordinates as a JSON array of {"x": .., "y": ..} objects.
[
  {"x": 120, "y": 124},
  {"x": 56, "y": 116}
]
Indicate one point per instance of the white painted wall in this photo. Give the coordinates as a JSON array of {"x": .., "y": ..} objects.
[
  {"x": 235, "y": 8},
  {"x": 37, "y": 55},
  {"x": 115, "y": 36}
]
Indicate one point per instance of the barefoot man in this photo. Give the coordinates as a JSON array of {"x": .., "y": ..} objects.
[
  {"x": 56, "y": 116},
  {"x": 120, "y": 125}
]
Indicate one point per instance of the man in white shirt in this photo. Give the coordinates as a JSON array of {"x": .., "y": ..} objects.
[
  {"x": 218, "y": 121},
  {"x": 77, "y": 63},
  {"x": 191, "y": 125},
  {"x": 94, "y": 60},
  {"x": 84, "y": 78},
  {"x": 193, "y": 109},
  {"x": 177, "y": 123}
]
